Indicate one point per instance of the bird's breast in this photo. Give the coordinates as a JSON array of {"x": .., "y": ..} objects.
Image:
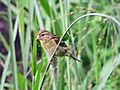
[{"x": 49, "y": 47}]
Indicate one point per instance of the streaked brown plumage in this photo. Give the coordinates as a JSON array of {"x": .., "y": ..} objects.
[{"x": 49, "y": 42}]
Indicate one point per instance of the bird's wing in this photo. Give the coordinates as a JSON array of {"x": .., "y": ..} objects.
[{"x": 56, "y": 39}]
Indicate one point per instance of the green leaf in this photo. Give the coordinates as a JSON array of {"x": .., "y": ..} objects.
[
  {"x": 107, "y": 70},
  {"x": 4, "y": 74}
]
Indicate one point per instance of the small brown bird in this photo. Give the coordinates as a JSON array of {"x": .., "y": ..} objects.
[{"x": 49, "y": 42}]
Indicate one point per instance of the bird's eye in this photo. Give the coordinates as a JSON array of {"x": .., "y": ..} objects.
[{"x": 43, "y": 35}]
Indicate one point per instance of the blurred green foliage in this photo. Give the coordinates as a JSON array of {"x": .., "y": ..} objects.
[{"x": 95, "y": 40}]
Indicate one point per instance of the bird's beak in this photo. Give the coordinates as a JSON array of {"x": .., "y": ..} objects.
[{"x": 38, "y": 37}]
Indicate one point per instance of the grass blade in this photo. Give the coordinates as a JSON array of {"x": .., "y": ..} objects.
[
  {"x": 107, "y": 70},
  {"x": 5, "y": 71},
  {"x": 12, "y": 49}
]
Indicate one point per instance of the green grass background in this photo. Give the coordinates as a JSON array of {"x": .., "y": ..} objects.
[{"x": 95, "y": 40}]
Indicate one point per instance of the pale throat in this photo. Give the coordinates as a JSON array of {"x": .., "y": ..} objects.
[{"x": 48, "y": 46}]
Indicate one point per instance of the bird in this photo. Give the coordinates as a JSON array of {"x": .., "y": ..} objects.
[{"x": 49, "y": 41}]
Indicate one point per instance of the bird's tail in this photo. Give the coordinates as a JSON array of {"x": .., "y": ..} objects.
[{"x": 72, "y": 56}]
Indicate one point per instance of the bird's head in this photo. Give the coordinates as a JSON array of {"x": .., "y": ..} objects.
[{"x": 44, "y": 35}]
